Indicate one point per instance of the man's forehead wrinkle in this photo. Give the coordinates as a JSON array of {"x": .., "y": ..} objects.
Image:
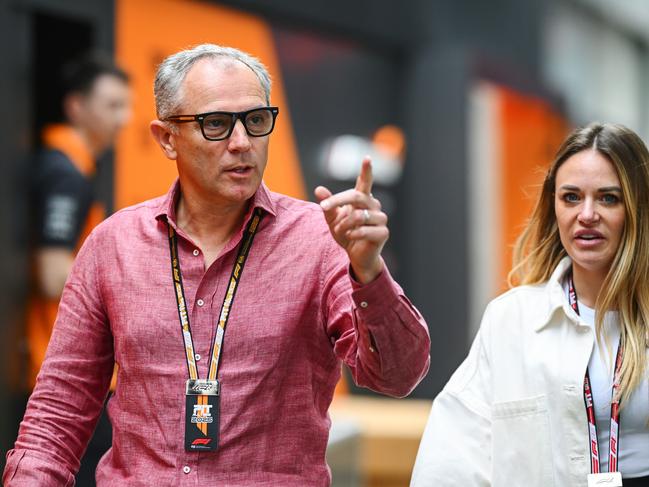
[{"x": 198, "y": 90}]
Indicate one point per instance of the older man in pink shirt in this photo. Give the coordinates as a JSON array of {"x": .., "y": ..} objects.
[{"x": 298, "y": 287}]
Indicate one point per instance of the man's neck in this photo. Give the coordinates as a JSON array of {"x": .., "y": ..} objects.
[
  {"x": 88, "y": 141},
  {"x": 587, "y": 284},
  {"x": 209, "y": 225}
]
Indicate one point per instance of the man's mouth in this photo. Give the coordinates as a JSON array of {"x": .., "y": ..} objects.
[{"x": 240, "y": 169}]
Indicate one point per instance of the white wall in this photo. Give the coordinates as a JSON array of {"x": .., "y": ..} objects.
[{"x": 597, "y": 61}]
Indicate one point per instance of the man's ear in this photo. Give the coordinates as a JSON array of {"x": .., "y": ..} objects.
[
  {"x": 164, "y": 138},
  {"x": 73, "y": 106}
]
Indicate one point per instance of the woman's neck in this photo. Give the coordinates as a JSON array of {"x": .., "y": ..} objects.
[{"x": 587, "y": 284}]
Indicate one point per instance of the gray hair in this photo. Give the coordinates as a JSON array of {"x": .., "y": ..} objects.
[{"x": 172, "y": 71}]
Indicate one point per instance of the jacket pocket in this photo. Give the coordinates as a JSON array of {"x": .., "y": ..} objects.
[{"x": 521, "y": 446}]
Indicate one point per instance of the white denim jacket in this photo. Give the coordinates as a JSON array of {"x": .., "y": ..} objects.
[{"x": 513, "y": 413}]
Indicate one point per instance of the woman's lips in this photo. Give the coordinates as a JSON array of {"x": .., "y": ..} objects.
[{"x": 588, "y": 238}]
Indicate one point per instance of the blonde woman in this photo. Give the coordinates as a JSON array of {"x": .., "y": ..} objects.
[{"x": 534, "y": 403}]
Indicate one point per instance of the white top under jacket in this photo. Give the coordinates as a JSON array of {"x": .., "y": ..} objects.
[{"x": 513, "y": 413}]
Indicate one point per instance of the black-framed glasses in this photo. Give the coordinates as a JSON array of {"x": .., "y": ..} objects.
[{"x": 219, "y": 125}]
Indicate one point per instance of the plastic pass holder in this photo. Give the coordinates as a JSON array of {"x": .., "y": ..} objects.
[
  {"x": 608, "y": 479},
  {"x": 202, "y": 412}
]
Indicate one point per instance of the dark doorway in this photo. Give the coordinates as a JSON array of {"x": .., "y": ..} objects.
[
  {"x": 53, "y": 40},
  {"x": 36, "y": 38},
  {"x": 56, "y": 40}
]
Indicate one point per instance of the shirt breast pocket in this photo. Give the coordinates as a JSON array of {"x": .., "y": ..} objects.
[{"x": 521, "y": 443}]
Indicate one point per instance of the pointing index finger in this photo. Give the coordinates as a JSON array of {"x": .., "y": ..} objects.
[{"x": 364, "y": 179}]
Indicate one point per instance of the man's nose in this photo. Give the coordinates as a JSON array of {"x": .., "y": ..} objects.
[{"x": 239, "y": 139}]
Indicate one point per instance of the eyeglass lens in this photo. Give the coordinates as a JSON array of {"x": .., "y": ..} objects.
[{"x": 257, "y": 123}]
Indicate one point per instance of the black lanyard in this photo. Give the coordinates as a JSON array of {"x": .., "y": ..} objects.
[{"x": 226, "y": 307}]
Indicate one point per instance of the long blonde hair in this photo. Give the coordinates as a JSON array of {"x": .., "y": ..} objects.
[{"x": 626, "y": 286}]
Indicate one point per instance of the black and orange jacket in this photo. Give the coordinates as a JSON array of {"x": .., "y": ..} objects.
[{"x": 64, "y": 213}]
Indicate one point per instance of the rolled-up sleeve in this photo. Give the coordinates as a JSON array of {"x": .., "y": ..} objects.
[{"x": 28, "y": 468}]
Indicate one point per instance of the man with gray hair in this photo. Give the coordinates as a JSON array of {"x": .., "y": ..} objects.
[{"x": 299, "y": 287}]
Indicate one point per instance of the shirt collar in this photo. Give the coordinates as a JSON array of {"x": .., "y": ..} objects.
[
  {"x": 167, "y": 207},
  {"x": 555, "y": 295}
]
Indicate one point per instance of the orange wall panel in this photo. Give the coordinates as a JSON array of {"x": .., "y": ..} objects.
[
  {"x": 147, "y": 32},
  {"x": 531, "y": 132}
]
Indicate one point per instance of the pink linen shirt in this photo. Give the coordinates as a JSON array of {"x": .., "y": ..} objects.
[{"x": 297, "y": 313}]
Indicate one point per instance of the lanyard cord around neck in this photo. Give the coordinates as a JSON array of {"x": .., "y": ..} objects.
[
  {"x": 235, "y": 277},
  {"x": 613, "y": 444}
]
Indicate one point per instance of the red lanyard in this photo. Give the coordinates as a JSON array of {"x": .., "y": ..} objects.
[{"x": 613, "y": 444}]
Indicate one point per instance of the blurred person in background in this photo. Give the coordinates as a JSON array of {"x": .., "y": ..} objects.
[
  {"x": 311, "y": 291},
  {"x": 554, "y": 390},
  {"x": 94, "y": 106}
]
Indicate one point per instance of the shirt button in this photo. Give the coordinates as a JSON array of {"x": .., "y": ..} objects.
[
  {"x": 371, "y": 348},
  {"x": 364, "y": 304},
  {"x": 196, "y": 252},
  {"x": 186, "y": 469},
  {"x": 200, "y": 302},
  {"x": 197, "y": 357}
]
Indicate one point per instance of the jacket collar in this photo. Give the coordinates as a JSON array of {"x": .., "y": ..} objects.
[
  {"x": 66, "y": 139},
  {"x": 556, "y": 297}
]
